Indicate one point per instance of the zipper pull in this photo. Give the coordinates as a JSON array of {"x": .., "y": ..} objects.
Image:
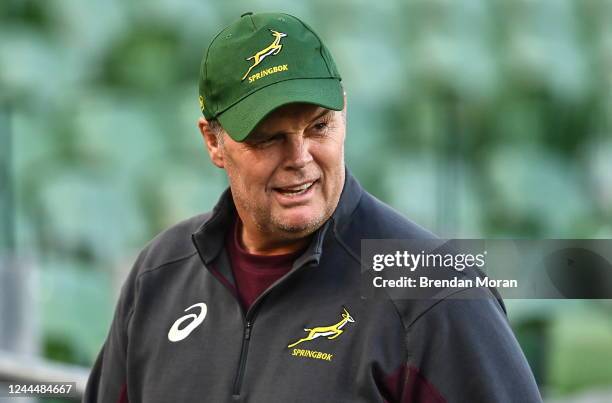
[{"x": 247, "y": 331}]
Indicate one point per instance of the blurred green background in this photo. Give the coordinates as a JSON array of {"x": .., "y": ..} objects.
[{"x": 474, "y": 118}]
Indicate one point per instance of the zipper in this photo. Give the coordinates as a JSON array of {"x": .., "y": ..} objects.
[
  {"x": 249, "y": 316},
  {"x": 250, "y": 319},
  {"x": 243, "y": 357}
]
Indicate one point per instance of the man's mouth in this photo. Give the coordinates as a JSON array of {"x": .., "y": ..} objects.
[{"x": 295, "y": 190}]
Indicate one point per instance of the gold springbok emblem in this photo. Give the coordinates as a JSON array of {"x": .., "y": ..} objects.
[
  {"x": 331, "y": 332},
  {"x": 272, "y": 49}
]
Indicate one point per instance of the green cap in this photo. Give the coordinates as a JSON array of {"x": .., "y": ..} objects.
[{"x": 261, "y": 62}]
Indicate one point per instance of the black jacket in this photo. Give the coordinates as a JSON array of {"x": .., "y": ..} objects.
[{"x": 179, "y": 333}]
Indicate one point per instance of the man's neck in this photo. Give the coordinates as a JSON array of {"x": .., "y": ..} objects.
[{"x": 260, "y": 244}]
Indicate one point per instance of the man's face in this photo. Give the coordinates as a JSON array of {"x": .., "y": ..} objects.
[{"x": 287, "y": 176}]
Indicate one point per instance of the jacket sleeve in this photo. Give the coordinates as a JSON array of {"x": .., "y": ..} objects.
[
  {"x": 462, "y": 349},
  {"x": 107, "y": 381}
]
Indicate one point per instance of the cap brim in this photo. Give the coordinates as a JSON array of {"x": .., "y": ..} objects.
[{"x": 240, "y": 119}]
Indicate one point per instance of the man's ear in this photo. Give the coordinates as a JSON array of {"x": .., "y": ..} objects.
[{"x": 215, "y": 149}]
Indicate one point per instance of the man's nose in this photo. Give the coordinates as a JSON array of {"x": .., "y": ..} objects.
[{"x": 298, "y": 152}]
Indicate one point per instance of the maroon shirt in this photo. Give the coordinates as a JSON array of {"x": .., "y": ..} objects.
[{"x": 254, "y": 273}]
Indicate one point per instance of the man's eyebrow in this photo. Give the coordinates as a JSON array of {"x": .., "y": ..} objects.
[
  {"x": 320, "y": 115},
  {"x": 258, "y": 134}
]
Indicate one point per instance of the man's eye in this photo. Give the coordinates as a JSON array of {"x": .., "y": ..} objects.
[
  {"x": 268, "y": 140},
  {"x": 320, "y": 126}
]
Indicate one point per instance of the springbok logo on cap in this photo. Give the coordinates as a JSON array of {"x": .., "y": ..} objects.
[{"x": 272, "y": 49}]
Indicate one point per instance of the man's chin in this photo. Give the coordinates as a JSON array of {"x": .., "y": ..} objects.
[{"x": 300, "y": 225}]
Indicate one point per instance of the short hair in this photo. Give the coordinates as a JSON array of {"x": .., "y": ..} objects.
[{"x": 217, "y": 129}]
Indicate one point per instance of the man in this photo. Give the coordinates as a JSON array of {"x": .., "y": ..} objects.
[{"x": 259, "y": 300}]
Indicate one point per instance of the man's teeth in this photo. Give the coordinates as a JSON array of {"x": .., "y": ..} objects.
[{"x": 296, "y": 189}]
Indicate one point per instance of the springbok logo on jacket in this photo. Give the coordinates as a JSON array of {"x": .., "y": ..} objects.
[{"x": 331, "y": 332}]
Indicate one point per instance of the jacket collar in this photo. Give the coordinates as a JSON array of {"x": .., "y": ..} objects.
[
  {"x": 349, "y": 199},
  {"x": 209, "y": 237}
]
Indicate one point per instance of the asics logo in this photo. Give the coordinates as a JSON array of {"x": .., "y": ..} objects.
[{"x": 175, "y": 334}]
